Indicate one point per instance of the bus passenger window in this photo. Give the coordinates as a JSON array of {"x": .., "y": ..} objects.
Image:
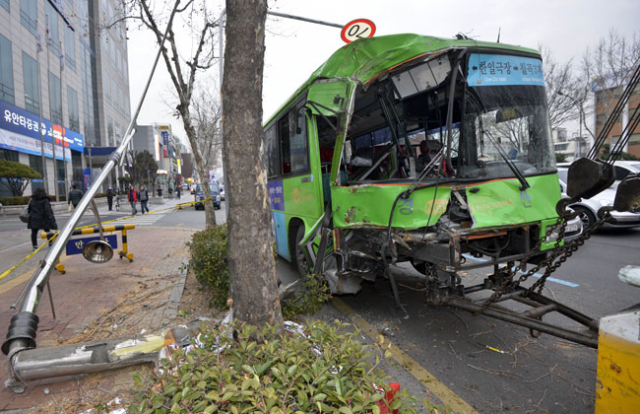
[
  {"x": 294, "y": 144},
  {"x": 273, "y": 155}
]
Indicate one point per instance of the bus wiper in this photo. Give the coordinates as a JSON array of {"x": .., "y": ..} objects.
[{"x": 512, "y": 166}]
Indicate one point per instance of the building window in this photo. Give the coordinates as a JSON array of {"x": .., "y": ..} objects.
[
  {"x": 61, "y": 172},
  {"x": 6, "y": 5},
  {"x": 110, "y": 138},
  {"x": 107, "y": 87},
  {"x": 8, "y": 155},
  {"x": 31, "y": 92},
  {"x": 52, "y": 26},
  {"x": 6, "y": 71},
  {"x": 55, "y": 99},
  {"x": 29, "y": 14},
  {"x": 76, "y": 163},
  {"x": 35, "y": 162},
  {"x": 70, "y": 48},
  {"x": 74, "y": 109}
]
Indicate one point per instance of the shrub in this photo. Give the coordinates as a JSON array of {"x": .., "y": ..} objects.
[
  {"x": 208, "y": 254},
  {"x": 324, "y": 370},
  {"x": 14, "y": 201},
  {"x": 16, "y": 176}
]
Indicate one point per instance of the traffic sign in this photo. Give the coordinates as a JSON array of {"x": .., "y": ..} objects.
[
  {"x": 75, "y": 246},
  {"x": 358, "y": 29}
]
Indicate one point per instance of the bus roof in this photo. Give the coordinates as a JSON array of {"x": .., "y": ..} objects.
[{"x": 365, "y": 59}]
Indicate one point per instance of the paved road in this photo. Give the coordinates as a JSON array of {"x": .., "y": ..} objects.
[{"x": 524, "y": 374}]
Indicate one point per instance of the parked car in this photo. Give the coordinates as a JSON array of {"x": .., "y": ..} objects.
[
  {"x": 199, "y": 195},
  {"x": 574, "y": 227},
  {"x": 588, "y": 208}
]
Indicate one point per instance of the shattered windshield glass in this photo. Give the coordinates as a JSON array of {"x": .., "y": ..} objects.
[{"x": 505, "y": 123}]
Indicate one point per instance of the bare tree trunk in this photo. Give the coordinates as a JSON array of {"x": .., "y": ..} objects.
[
  {"x": 252, "y": 281},
  {"x": 209, "y": 213}
]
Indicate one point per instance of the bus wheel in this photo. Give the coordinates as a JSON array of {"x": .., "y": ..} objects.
[
  {"x": 300, "y": 260},
  {"x": 420, "y": 266}
]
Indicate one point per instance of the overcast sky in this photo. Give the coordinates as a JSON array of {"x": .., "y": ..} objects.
[{"x": 294, "y": 49}]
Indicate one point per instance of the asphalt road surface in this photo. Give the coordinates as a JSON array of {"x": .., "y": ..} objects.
[{"x": 498, "y": 367}]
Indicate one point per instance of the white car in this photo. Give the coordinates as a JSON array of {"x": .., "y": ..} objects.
[{"x": 588, "y": 207}]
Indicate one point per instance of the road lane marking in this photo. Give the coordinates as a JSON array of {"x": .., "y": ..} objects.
[
  {"x": 428, "y": 380},
  {"x": 15, "y": 247},
  {"x": 538, "y": 275}
]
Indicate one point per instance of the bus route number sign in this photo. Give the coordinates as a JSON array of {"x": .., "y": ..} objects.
[{"x": 358, "y": 29}]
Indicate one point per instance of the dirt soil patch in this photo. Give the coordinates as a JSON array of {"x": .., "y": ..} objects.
[{"x": 110, "y": 390}]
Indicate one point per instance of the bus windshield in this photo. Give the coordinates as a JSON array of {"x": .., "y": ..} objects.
[{"x": 505, "y": 124}]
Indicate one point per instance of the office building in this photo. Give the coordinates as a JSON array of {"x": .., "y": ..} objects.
[{"x": 63, "y": 66}]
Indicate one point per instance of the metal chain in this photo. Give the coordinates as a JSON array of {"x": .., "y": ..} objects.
[
  {"x": 558, "y": 256},
  {"x": 566, "y": 251}
]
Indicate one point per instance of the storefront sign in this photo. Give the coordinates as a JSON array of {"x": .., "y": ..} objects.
[
  {"x": 25, "y": 123},
  {"x": 17, "y": 142}
]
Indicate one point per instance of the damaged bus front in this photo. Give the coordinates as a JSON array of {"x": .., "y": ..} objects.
[{"x": 412, "y": 148}]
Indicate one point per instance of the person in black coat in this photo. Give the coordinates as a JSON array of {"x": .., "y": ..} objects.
[{"x": 41, "y": 215}]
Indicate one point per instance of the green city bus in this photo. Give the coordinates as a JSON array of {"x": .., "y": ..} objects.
[{"x": 414, "y": 148}]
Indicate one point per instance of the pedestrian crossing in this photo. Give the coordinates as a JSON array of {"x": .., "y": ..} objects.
[{"x": 145, "y": 220}]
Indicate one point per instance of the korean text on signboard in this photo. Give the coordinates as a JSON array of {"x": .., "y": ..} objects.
[
  {"x": 504, "y": 70},
  {"x": 22, "y": 122}
]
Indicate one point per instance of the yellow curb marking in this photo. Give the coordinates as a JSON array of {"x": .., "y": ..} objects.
[
  {"x": 444, "y": 393},
  {"x": 7, "y": 286}
]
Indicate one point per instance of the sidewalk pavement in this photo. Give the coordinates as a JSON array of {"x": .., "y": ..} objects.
[{"x": 98, "y": 301}]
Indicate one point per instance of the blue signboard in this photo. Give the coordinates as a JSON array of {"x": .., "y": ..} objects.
[
  {"x": 276, "y": 195},
  {"x": 22, "y": 122},
  {"x": 75, "y": 246},
  {"x": 504, "y": 70},
  {"x": 165, "y": 138}
]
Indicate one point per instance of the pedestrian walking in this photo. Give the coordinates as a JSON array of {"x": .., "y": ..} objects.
[
  {"x": 178, "y": 192},
  {"x": 110, "y": 194},
  {"x": 40, "y": 215},
  {"x": 143, "y": 194},
  {"x": 74, "y": 197},
  {"x": 132, "y": 196}
]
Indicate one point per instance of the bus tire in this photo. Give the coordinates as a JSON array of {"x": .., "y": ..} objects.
[
  {"x": 419, "y": 266},
  {"x": 298, "y": 254}
]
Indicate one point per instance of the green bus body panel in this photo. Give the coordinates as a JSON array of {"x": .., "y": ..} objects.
[
  {"x": 370, "y": 206},
  {"x": 364, "y": 59},
  {"x": 330, "y": 94},
  {"x": 497, "y": 204},
  {"x": 500, "y": 203}
]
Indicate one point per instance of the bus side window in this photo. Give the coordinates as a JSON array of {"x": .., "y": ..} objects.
[
  {"x": 294, "y": 143},
  {"x": 273, "y": 153}
]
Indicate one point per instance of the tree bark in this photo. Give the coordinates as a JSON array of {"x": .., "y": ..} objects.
[{"x": 252, "y": 281}]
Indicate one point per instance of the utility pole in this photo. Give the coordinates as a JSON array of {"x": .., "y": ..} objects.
[
  {"x": 40, "y": 126},
  {"x": 62, "y": 128},
  {"x": 53, "y": 141}
]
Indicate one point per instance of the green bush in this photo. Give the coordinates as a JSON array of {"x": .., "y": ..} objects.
[
  {"x": 326, "y": 370},
  {"x": 14, "y": 201},
  {"x": 208, "y": 253}
]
